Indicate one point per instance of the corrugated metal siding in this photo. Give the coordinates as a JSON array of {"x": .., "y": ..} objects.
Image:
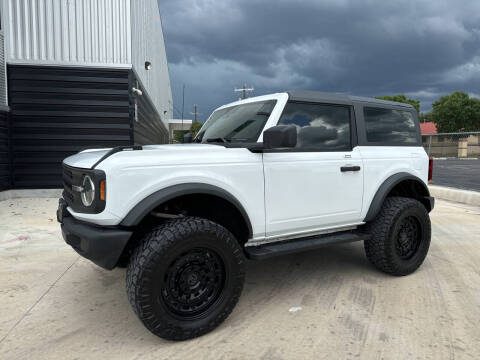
[
  {"x": 3, "y": 79},
  {"x": 4, "y": 153},
  {"x": 148, "y": 45},
  {"x": 56, "y": 112},
  {"x": 83, "y": 32},
  {"x": 148, "y": 128}
]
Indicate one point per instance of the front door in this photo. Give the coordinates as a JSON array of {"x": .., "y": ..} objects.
[{"x": 319, "y": 184}]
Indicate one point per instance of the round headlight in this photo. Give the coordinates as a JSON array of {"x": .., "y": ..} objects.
[{"x": 88, "y": 192}]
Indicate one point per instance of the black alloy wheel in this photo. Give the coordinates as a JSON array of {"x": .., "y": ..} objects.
[
  {"x": 408, "y": 237},
  {"x": 193, "y": 282}
]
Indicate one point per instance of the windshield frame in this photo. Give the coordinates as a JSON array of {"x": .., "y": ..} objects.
[{"x": 281, "y": 100}]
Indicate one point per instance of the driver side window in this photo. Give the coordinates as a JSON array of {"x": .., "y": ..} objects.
[{"x": 320, "y": 127}]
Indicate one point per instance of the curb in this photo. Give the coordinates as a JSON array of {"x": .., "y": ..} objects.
[
  {"x": 30, "y": 193},
  {"x": 462, "y": 196}
]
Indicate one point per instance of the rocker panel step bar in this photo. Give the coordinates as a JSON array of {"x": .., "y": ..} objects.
[{"x": 267, "y": 251}]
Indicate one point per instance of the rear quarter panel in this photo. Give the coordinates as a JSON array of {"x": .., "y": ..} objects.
[{"x": 381, "y": 162}]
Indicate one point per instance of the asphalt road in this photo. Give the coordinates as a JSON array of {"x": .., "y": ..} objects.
[
  {"x": 460, "y": 174},
  {"x": 325, "y": 304}
]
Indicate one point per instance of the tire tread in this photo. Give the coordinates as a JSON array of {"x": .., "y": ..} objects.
[
  {"x": 377, "y": 248},
  {"x": 151, "y": 249}
]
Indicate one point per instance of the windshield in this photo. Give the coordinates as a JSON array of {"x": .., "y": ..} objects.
[{"x": 240, "y": 123}]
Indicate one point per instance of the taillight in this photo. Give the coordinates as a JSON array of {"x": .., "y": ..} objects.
[{"x": 430, "y": 169}]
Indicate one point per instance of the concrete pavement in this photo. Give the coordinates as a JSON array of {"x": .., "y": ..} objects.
[{"x": 325, "y": 304}]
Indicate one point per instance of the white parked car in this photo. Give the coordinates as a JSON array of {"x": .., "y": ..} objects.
[{"x": 265, "y": 176}]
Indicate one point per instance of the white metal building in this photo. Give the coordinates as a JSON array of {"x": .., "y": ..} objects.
[
  {"x": 73, "y": 71},
  {"x": 178, "y": 125}
]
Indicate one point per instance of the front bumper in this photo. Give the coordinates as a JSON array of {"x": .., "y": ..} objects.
[{"x": 101, "y": 245}]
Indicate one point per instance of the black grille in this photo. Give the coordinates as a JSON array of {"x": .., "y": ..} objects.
[
  {"x": 71, "y": 177},
  {"x": 74, "y": 176}
]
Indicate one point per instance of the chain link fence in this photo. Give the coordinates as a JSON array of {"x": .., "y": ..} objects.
[{"x": 462, "y": 145}]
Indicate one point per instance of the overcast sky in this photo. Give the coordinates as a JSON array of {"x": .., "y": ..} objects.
[{"x": 421, "y": 48}]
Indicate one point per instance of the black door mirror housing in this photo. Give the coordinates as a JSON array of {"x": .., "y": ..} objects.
[
  {"x": 187, "y": 138},
  {"x": 280, "y": 136}
]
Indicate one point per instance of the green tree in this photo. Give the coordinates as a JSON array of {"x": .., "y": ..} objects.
[
  {"x": 178, "y": 135},
  {"x": 195, "y": 128},
  {"x": 403, "y": 99},
  {"x": 425, "y": 117},
  {"x": 456, "y": 112}
]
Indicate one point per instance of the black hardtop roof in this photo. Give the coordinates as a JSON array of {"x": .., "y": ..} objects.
[{"x": 319, "y": 96}]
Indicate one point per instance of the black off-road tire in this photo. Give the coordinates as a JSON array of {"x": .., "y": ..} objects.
[
  {"x": 176, "y": 261},
  {"x": 389, "y": 249}
]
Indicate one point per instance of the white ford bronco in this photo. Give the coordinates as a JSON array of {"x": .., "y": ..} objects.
[{"x": 265, "y": 176}]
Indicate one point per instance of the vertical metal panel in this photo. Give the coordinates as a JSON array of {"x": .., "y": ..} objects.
[
  {"x": 4, "y": 151},
  {"x": 58, "y": 111},
  {"x": 148, "y": 45},
  {"x": 69, "y": 32},
  {"x": 3, "y": 79}
]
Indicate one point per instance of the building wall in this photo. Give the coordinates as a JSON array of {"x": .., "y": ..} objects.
[
  {"x": 148, "y": 127},
  {"x": 73, "y": 32},
  {"x": 175, "y": 125},
  {"x": 71, "y": 65},
  {"x": 4, "y": 153},
  {"x": 58, "y": 111},
  {"x": 148, "y": 45},
  {"x": 104, "y": 33},
  {"x": 3, "y": 79}
]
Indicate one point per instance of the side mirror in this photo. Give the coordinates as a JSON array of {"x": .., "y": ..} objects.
[
  {"x": 281, "y": 136},
  {"x": 187, "y": 138}
]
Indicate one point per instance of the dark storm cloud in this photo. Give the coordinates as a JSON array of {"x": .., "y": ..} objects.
[{"x": 421, "y": 48}]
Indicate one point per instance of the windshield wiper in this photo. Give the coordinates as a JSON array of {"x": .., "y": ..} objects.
[{"x": 218, "y": 139}]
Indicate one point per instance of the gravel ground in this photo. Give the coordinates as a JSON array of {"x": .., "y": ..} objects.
[
  {"x": 460, "y": 174},
  {"x": 325, "y": 304}
]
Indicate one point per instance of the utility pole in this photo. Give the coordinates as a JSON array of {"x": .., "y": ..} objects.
[
  {"x": 244, "y": 90},
  {"x": 183, "y": 102},
  {"x": 195, "y": 112}
]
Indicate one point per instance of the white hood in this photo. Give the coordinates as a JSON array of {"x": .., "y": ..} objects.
[{"x": 87, "y": 158}]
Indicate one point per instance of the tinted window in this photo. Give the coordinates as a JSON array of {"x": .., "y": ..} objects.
[
  {"x": 390, "y": 126},
  {"x": 240, "y": 123},
  {"x": 319, "y": 127}
]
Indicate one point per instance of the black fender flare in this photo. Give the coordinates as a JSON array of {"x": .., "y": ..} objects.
[
  {"x": 387, "y": 186},
  {"x": 143, "y": 208}
]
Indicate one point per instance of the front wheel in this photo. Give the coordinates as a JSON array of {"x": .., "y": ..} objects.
[
  {"x": 400, "y": 236},
  {"x": 185, "y": 278}
]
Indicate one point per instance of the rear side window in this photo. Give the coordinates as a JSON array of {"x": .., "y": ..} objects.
[
  {"x": 390, "y": 126},
  {"x": 319, "y": 127}
]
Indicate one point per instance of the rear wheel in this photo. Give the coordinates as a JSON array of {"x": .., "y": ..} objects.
[
  {"x": 400, "y": 236},
  {"x": 185, "y": 278}
]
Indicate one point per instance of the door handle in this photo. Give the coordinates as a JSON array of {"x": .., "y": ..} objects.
[{"x": 349, "y": 168}]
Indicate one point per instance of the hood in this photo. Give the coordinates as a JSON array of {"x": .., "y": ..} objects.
[{"x": 87, "y": 158}]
